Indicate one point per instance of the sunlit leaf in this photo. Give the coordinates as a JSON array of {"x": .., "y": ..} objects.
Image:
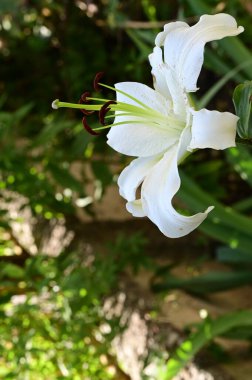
[
  {"x": 12, "y": 271},
  {"x": 206, "y": 332}
]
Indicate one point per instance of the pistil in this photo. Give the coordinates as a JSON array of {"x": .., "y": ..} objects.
[
  {"x": 58, "y": 104},
  {"x": 138, "y": 113}
]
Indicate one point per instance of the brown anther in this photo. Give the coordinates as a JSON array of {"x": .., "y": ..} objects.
[
  {"x": 88, "y": 128},
  {"x": 84, "y": 97},
  {"x": 84, "y": 100},
  {"x": 104, "y": 110},
  {"x": 97, "y": 79}
]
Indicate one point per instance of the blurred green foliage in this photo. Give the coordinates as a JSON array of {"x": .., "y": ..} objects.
[
  {"x": 53, "y": 324},
  {"x": 242, "y": 101},
  {"x": 51, "y": 308},
  {"x": 206, "y": 331}
]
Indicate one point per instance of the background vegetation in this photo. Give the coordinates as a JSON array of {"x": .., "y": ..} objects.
[{"x": 51, "y": 306}]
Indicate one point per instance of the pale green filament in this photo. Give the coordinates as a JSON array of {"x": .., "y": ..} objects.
[
  {"x": 143, "y": 113},
  {"x": 147, "y": 115},
  {"x": 97, "y": 99},
  {"x": 119, "y": 123},
  {"x": 125, "y": 94}
]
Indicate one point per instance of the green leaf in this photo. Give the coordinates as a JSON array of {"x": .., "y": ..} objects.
[
  {"x": 22, "y": 112},
  {"x": 102, "y": 173},
  {"x": 243, "y": 205},
  {"x": 240, "y": 333},
  {"x": 229, "y": 255},
  {"x": 238, "y": 52},
  {"x": 4, "y": 299},
  {"x": 63, "y": 177},
  {"x": 241, "y": 159},
  {"x": 223, "y": 223},
  {"x": 206, "y": 332},
  {"x": 199, "y": 6},
  {"x": 12, "y": 271},
  {"x": 206, "y": 283},
  {"x": 220, "y": 213},
  {"x": 220, "y": 83},
  {"x": 51, "y": 130},
  {"x": 227, "y": 235},
  {"x": 242, "y": 99},
  {"x": 137, "y": 38},
  {"x": 233, "y": 47},
  {"x": 8, "y": 6},
  {"x": 216, "y": 64}
]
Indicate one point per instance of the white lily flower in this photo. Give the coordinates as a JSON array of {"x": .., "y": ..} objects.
[{"x": 160, "y": 127}]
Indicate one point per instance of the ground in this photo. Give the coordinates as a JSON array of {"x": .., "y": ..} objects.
[{"x": 134, "y": 300}]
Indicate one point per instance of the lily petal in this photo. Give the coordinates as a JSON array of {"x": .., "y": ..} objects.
[
  {"x": 142, "y": 93},
  {"x": 158, "y": 71},
  {"x": 140, "y": 139},
  {"x": 179, "y": 97},
  {"x": 131, "y": 178},
  {"x": 213, "y": 129},
  {"x": 166, "y": 83},
  {"x": 144, "y": 138},
  {"x": 184, "y": 45},
  {"x": 133, "y": 175},
  {"x": 171, "y": 26},
  {"x": 136, "y": 208},
  {"x": 158, "y": 189}
]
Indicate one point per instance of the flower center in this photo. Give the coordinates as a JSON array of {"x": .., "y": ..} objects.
[{"x": 121, "y": 112}]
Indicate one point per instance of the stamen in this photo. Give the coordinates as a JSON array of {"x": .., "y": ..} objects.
[
  {"x": 84, "y": 97},
  {"x": 97, "y": 79},
  {"x": 136, "y": 113},
  {"x": 88, "y": 128},
  {"x": 119, "y": 123},
  {"x": 84, "y": 100},
  {"x": 98, "y": 99},
  {"x": 125, "y": 94},
  {"x": 104, "y": 110}
]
